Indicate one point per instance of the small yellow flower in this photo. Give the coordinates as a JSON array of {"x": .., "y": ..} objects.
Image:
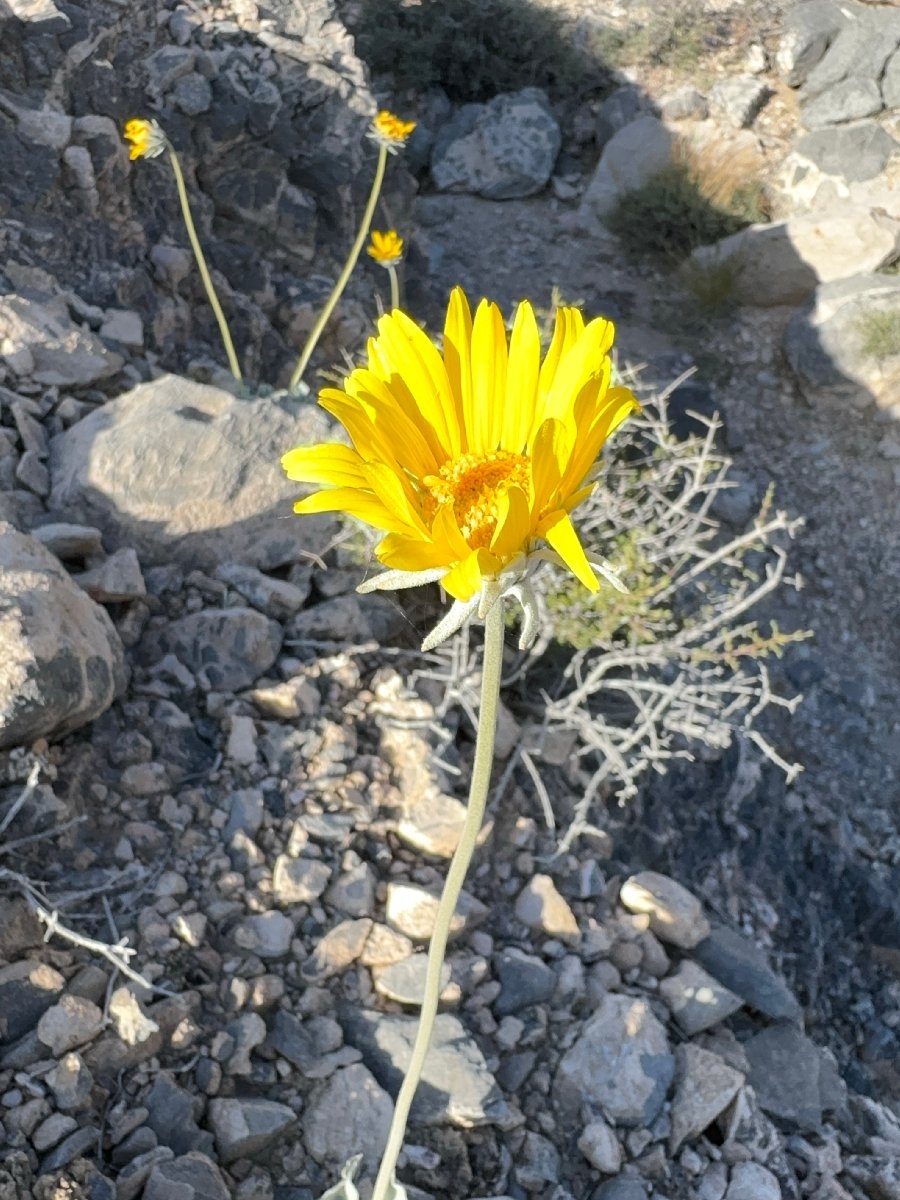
[
  {"x": 390, "y": 132},
  {"x": 386, "y": 248},
  {"x": 472, "y": 458},
  {"x": 146, "y": 137}
]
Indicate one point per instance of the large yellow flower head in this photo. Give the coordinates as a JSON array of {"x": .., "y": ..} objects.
[
  {"x": 389, "y": 131},
  {"x": 470, "y": 460},
  {"x": 146, "y": 137}
]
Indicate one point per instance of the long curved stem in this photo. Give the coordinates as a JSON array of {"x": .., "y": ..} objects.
[
  {"x": 459, "y": 865},
  {"x": 337, "y": 291},
  {"x": 201, "y": 263}
]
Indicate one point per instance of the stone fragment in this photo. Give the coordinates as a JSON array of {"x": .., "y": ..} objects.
[
  {"x": 629, "y": 160},
  {"x": 849, "y": 100},
  {"x": 622, "y": 106},
  {"x": 303, "y": 1043},
  {"x": 131, "y": 1179},
  {"x": 432, "y": 824},
  {"x": 385, "y": 946},
  {"x": 350, "y": 1114},
  {"x": 52, "y": 1131},
  {"x": 620, "y": 1064},
  {"x": 227, "y": 648},
  {"x": 457, "y": 1086},
  {"x": 187, "y": 472},
  {"x": 860, "y": 50},
  {"x": 683, "y": 104},
  {"x": 117, "y": 579},
  {"x": 786, "y": 1073},
  {"x": 349, "y": 620},
  {"x": 676, "y": 915},
  {"x": 500, "y": 150},
  {"x": 244, "y": 1127},
  {"x": 540, "y": 906},
  {"x": 738, "y": 99},
  {"x": 172, "y": 1115},
  {"x": 70, "y": 1023},
  {"x": 71, "y": 1083},
  {"x": 412, "y": 911},
  {"x": 125, "y": 326},
  {"x": 61, "y": 660},
  {"x": 600, "y": 1146},
  {"x": 191, "y": 1176},
  {"x": 404, "y": 982},
  {"x": 27, "y": 990},
  {"x": 696, "y": 999},
  {"x": 248, "y": 1031},
  {"x": 852, "y": 152},
  {"x": 128, "y": 1019},
  {"x": 340, "y": 947},
  {"x": 704, "y": 1087},
  {"x": 353, "y": 892},
  {"x": 743, "y": 968},
  {"x": 267, "y": 934},
  {"x": 823, "y": 343},
  {"x": 626, "y": 1187},
  {"x": 68, "y": 541},
  {"x": 524, "y": 978},
  {"x": 245, "y": 814},
  {"x": 193, "y": 95},
  {"x": 537, "y": 1163},
  {"x": 752, "y": 1181},
  {"x": 299, "y": 880},
  {"x": 808, "y": 30},
  {"x": 275, "y": 597},
  {"x": 40, "y": 341},
  {"x": 70, "y": 1148}
]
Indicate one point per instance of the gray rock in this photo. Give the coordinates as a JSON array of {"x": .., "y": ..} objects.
[
  {"x": 704, "y": 1087},
  {"x": 191, "y": 1176},
  {"x": 619, "y": 109},
  {"x": 879, "y": 1177},
  {"x": 179, "y": 470},
  {"x": 61, "y": 660},
  {"x": 412, "y": 910},
  {"x": 353, "y": 892},
  {"x": 275, "y": 597},
  {"x": 72, "y": 1147},
  {"x": 41, "y": 342},
  {"x": 540, "y": 906},
  {"x": 683, "y": 104},
  {"x": 626, "y": 1187},
  {"x": 809, "y": 28},
  {"x": 350, "y": 1114},
  {"x": 340, "y": 947},
  {"x": 739, "y": 99},
  {"x": 501, "y": 150},
  {"x": 696, "y": 999},
  {"x": 71, "y": 1083},
  {"x": 600, "y": 1146},
  {"x": 860, "y": 50},
  {"x": 243, "y": 1127},
  {"x": 850, "y": 100},
  {"x": 167, "y": 65},
  {"x": 404, "y": 981},
  {"x": 247, "y": 1032},
  {"x": 786, "y": 1072},
  {"x": 823, "y": 343},
  {"x": 751, "y": 1181},
  {"x": 52, "y": 1131},
  {"x": 125, "y": 326},
  {"x": 132, "y": 1177},
  {"x": 172, "y": 1115},
  {"x": 524, "y": 979},
  {"x": 853, "y": 152},
  {"x": 621, "y": 1064},
  {"x": 782, "y": 262},
  {"x": 70, "y": 1023},
  {"x": 267, "y": 934},
  {"x": 350, "y": 620},
  {"x": 743, "y": 968},
  {"x": 228, "y": 648},
  {"x": 537, "y": 1163},
  {"x": 676, "y": 915},
  {"x": 890, "y": 82},
  {"x": 299, "y": 880},
  {"x": 303, "y": 1043},
  {"x": 27, "y": 990},
  {"x": 117, "y": 579},
  {"x": 630, "y": 159},
  {"x": 245, "y": 814},
  {"x": 456, "y": 1088},
  {"x": 192, "y": 95}
]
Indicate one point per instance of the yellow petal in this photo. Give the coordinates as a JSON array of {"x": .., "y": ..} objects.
[
  {"x": 513, "y": 525},
  {"x": 412, "y": 444},
  {"x": 465, "y": 580},
  {"x": 327, "y": 463},
  {"x": 521, "y": 380},
  {"x": 559, "y": 533},
  {"x": 357, "y": 503},
  {"x": 403, "y": 344},
  {"x": 395, "y": 493},
  {"x": 458, "y": 359},
  {"x": 549, "y": 459},
  {"x": 433, "y": 365},
  {"x": 404, "y": 553},
  {"x": 489, "y": 359},
  {"x": 577, "y": 365},
  {"x": 568, "y": 328},
  {"x": 617, "y": 405}
]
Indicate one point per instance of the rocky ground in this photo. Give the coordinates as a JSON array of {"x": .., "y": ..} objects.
[{"x": 254, "y": 776}]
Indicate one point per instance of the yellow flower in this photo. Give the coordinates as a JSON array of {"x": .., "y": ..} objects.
[
  {"x": 389, "y": 131},
  {"x": 386, "y": 248},
  {"x": 471, "y": 459},
  {"x": 146, "y": 137}
]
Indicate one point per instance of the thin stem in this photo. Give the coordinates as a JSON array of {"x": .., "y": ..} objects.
[
  {"x": 201, "y": 263},
  {"x": 316, "y": 333},
  {"x": 395, "y": 287},
  {"x": 459, "y": 865}
]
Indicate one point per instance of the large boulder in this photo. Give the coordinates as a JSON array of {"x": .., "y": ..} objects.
[
  {"x": 181, "y": 470},
  {"x": 61, "y": 660},
  {"x": 630, "y": 159}
]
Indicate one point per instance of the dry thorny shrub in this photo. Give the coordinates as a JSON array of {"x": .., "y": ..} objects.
[{"x": 679, "y": 664}]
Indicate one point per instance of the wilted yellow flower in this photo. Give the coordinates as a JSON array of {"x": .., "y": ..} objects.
[
  {"x": 469, "y": 460},
  {"x": 389, "y": 131},
  {"x": 146, "y": 137},
  {"x": 386, "y": 248}
]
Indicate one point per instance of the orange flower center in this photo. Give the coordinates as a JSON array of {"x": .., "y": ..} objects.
[{"x": 473, "y": 484}]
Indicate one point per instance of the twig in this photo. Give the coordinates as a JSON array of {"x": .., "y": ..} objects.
[{"x": 22, "y": 798}]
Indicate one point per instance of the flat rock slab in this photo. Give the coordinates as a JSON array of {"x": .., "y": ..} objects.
[
  {"x": 61, "y": 660},
  {"x": 228, "y": 648},
  {"x": 350, "y": 1114},
  {"x": 456, "y": 1089},
  {"x": 744, "y": 969},
  {"x": 181, "y": 470},
  {"x": 40, "y": 341}
]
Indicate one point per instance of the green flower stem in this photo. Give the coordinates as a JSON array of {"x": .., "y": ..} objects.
[
  {"x": 201, "y": 263},
  {"x": 459, "y": 865},
  {"x": 313, "y": 339},
  {"x": 395, "y": 287}
]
